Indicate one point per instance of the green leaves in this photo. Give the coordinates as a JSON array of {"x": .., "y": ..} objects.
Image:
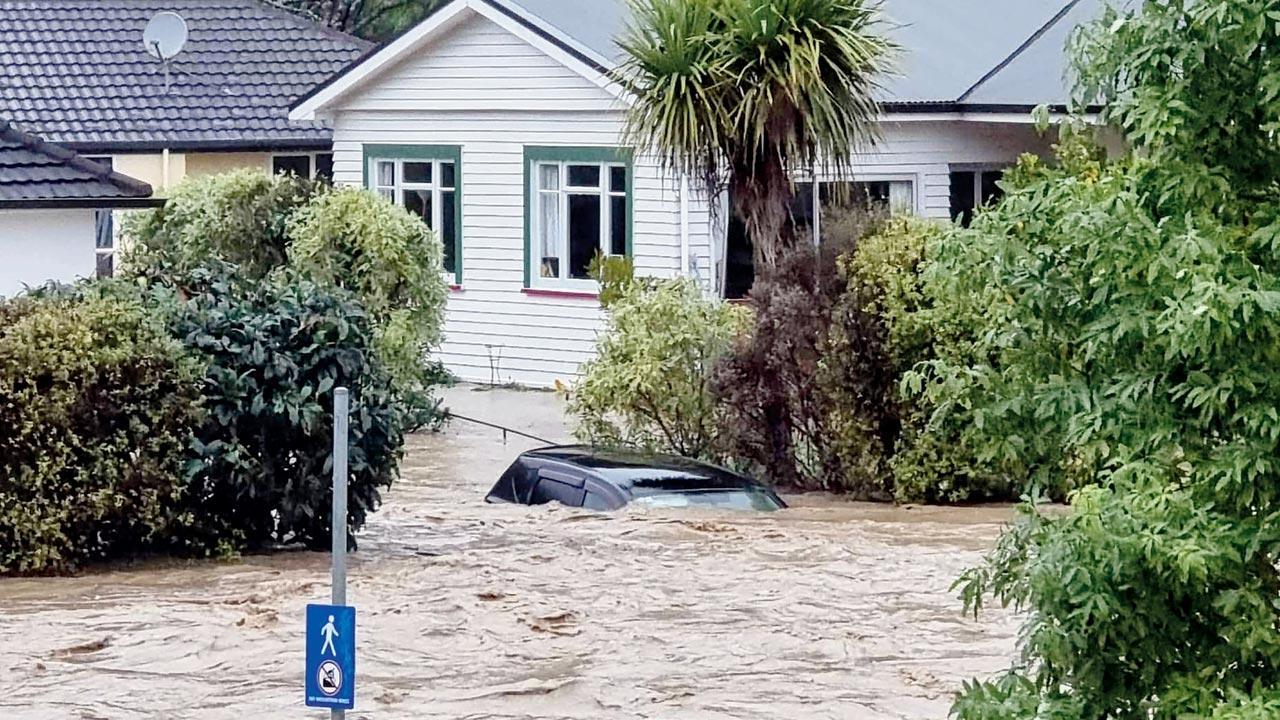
[
  {"x": 274, "y": 355},
  {"x": 750, "y": 90},
  {"x": 1131, "y": 345},
  {"x": 650, "y": 383},
  {"x": 97, "y": 404}
]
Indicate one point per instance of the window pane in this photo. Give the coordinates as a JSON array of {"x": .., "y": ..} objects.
[
  {"x": 448, "y": 175},
  {"x": 386, "y": 174},
  {"x": 549, "y": 234},
  {"x": 802, "y": 206},
  {"x": 388, "y": 194},
  {"x": 417, "y": 172},
  {"x": 418, "y": 202},
  {"x": 584, "y": 233},
  {"x": 549, "y": 177},
  {"x": 106, "y": 265},
  {"x": 962, "y": 197},
  {"x": 901, "y": 196},
  {"x": 104, "y": 230},
  {"x": 617, "y": 179},
  {"x": 584, "y": 176},
  {"x": 990, "y": 190},
  {"x": 324, "y": 166},
  {"x": 449, "y": 230},
  {"x": 618, "y": 226},
  {"x": 873, "y": 193},
  {"x": 299, "y": 165}
]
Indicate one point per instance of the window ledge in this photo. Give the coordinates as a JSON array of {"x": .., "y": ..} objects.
[
  {"x": 552, "y": 292},
  {"x": 455, "y": 288}
]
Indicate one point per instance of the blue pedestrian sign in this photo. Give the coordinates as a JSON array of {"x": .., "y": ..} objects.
[{"x": 331, "y": 657}]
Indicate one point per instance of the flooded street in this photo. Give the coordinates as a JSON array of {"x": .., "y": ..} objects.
[{"x": 466, "y": 610}]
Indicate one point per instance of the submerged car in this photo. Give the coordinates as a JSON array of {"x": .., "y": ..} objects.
[{"x": 596, "y": 479}]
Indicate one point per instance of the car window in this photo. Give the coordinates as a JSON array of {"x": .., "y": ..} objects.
[
  {"x": 549, "y": 490},
  {"x": 745, "y": 499}
]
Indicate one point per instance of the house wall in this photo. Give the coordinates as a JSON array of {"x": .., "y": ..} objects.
[
  {"x": 150, "y": 167},
  {"x": 41, "y": 245},
  {"x": 213, "y": 163},
  {"x": 491, "y": 93}
]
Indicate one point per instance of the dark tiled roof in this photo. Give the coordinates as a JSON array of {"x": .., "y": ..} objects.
[
  {"x": 34, "y": 172},
  {"x": 75, "y": 72}
]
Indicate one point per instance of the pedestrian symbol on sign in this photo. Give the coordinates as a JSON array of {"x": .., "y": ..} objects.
[
  {"x": 329, "y": 631},
  {"x": 331, "y": 657}
]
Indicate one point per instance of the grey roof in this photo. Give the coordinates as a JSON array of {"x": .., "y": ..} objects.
[
  {"x": 951, "y": 46},
  {"x": 75, "y": 72},
  {"x": 35, "y": 173}
]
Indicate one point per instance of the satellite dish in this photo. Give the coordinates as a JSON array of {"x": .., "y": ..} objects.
[{"x": 165, "y": 35}]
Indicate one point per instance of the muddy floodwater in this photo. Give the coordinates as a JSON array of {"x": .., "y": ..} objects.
[{"x": 467, "y": 610}]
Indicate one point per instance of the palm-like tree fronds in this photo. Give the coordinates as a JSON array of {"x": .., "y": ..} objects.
[{"x": 740, "y": 93}]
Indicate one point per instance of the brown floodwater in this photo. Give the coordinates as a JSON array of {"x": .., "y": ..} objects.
[{"x": 466, "y": 610}]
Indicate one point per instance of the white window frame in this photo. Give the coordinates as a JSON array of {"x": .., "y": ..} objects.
[
  {"x": 604, "y": 192},
  {"x": 311, "y": 161},
  {"x": 395, "y": 193},
  {"x": 911, "y": 179}
]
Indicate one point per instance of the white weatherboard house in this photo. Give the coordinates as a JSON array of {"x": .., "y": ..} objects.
[{"x": 495, "y": 120}]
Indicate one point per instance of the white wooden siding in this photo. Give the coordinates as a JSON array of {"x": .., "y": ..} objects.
[
  {"x": 488, "y": 91},
  {"x": 43, "y": 245}
]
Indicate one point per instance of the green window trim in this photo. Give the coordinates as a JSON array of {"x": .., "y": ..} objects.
[
  {"x": 569, "y": 154},
  {"x": 448, "y": 153}
]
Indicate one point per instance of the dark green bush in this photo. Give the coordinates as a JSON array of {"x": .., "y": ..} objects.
[
  {"x": 97, "y": 407},
  {"x": 261, "y": 462}
]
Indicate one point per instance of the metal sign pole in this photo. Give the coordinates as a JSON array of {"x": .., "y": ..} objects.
[{"x": 341, "y": 412}]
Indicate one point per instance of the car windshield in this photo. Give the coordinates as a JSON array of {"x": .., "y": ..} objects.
[{"x": 737, "y": 499}]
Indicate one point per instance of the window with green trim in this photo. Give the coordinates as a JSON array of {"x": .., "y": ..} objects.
[
  {"x": 426, "y": 181},
  {"x": 580, "y": 205}
]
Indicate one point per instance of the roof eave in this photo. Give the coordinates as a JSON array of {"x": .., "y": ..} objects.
[
  {"x": 80, "y": 203},
  {"x": 190, "y": 146}
]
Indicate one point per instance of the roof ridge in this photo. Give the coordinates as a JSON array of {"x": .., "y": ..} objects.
[
  {"x": 36, "y": 144},
  {"x": 1057, "y": 18}
]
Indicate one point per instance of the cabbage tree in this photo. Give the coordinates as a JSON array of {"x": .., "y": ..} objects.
[{"x": 738, "y": 94}]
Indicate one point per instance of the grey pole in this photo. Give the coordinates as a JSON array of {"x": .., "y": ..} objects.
[{"x": 341, "y": 413}]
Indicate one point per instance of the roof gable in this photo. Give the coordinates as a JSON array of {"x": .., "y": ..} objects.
[
  {"x": 35, "y": 173},
  {"x": 435, "y": 28},
  {"x": 479, "y": 66},
  {"x": 75, "y": 72}
]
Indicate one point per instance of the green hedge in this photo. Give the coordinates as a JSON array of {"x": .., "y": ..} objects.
[{"x": 97, "y": 406}]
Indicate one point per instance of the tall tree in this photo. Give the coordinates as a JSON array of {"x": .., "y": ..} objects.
[
  {"x": 1131, "y": 343},
  {"x": 369, "y": 19},
  {"x": 740, "y": 94}
]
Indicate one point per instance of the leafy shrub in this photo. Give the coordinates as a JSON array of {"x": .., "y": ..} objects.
[
  {"x": 928, "y": 458},
  {"x": 780, "y": 405},
  {"x": 354, "y": 239},
  {"x": 240, "y": 216},
  {"x": 347, "y": 238},
  {"x": 261, "y": 462},
  {"x": 97, "y": 405},
  {"x": 650, "y": 385}
]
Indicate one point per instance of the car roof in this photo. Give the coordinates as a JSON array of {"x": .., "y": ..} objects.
[{"x": 641, "y": 473}]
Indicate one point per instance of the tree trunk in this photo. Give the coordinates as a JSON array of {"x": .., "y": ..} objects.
[{"x": 762, "y": 195}]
